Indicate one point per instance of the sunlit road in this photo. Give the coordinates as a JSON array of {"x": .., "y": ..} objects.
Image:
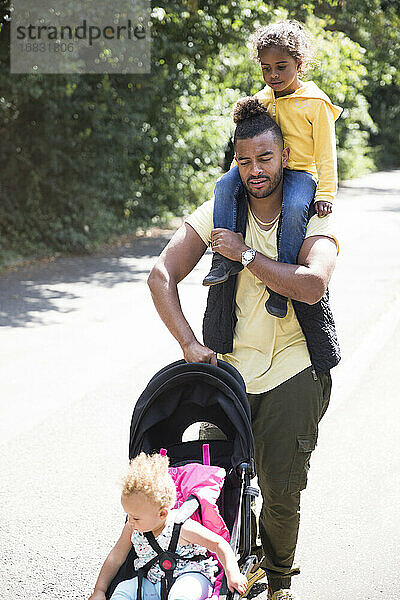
[{"x": 79, "y": 341}]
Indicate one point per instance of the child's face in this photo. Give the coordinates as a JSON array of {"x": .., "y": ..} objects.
[
  {"x": 143, "y": 515},
  {"x": 280, "y": 70}
]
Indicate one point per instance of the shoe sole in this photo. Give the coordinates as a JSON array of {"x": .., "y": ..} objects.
[{"x": 208, "y": 284}]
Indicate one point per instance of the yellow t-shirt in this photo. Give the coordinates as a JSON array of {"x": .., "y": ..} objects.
[{"x": 266, "y": 351}]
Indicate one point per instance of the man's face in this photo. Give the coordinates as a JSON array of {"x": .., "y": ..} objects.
[{"x": 261, "y": 162}]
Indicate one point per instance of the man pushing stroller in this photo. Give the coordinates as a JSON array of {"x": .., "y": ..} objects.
[{"x": 285, "y": 362}]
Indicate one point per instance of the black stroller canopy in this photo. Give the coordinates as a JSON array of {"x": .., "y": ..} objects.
[{"x": 182, "y": 394}]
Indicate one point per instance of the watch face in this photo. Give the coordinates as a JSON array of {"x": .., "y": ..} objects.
[{"x": 248, "y": 256}]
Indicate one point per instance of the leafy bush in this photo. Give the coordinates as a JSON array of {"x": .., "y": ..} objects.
[{"x": 86, "y": 158}]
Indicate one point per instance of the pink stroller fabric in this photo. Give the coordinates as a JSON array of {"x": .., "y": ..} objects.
[{"x": 205, "y": 483}]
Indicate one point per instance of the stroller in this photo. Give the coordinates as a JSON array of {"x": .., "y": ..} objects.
[{"x": 178, "y": 402}]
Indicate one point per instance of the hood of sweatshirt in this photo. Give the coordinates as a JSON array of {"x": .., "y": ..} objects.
[{"x": 308, "y": 89}]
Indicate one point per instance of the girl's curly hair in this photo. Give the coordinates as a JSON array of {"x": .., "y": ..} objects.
[
  {"x": 291, "y": 36},
  {"x": 148, "y": 474}
]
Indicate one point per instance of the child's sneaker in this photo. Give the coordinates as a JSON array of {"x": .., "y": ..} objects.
[
  {"x": 252, "y": 578},
  {"x": 283, "y": 595},
  {"x": 276, "y": 304},
  {"x": 221, "y": 269}
]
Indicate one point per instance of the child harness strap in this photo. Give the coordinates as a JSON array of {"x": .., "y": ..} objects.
[{"x": 167, "y": 559}]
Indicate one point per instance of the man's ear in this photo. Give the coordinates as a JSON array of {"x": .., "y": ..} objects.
[
  {"x": 285, "y": 156},
  {"x": 299, "y": 66}
]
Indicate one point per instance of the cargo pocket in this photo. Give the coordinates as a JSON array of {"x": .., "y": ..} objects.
[{"x": 301, "y": 462}]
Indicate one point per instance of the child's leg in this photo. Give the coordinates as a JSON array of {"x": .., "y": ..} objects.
[
  {"x": 225, "y": 210},
  {"x": 225, "y": 204},
  {"x": 298, "y": 193},
  {"x": 127, "y": 590},
  {"x": 191, "y": 586}
]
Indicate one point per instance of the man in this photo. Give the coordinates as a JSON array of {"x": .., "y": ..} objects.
[{"x": 285, "y": 362}]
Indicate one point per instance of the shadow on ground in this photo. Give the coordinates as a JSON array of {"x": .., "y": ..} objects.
[
  {"x": 369, "y": 191},
  {"x": 359, "y": 193},
  {"x": 30, "y": 288}
]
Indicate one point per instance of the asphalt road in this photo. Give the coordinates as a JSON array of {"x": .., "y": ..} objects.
[{"x": 79, "y": 341}]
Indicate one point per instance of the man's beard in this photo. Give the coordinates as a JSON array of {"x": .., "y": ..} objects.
[{"x": 270, "y": 185}]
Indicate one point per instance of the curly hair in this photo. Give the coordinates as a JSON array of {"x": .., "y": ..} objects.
[
  {"x": 252, "y": 118},
  {"x": 291, "y": 36},
  {"x": 148, "y": 474}
]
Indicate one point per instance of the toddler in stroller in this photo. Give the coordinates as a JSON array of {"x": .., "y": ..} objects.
[
  {"x": 212, "y": 483},
  {"x": 148, "y": 494}
]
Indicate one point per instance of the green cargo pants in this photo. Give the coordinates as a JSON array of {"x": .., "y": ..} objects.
[{"x": 285, "y": 426}]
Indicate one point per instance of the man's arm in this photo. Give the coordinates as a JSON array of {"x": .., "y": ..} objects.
[
  {"x": 176, "y": 261},
  {"x": 307, "y": 281}
]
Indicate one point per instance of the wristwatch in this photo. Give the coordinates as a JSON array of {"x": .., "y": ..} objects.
[{"x": 248, "y": 256}]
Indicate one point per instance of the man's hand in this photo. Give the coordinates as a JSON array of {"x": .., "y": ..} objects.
[
  {"x": 228, "y": 243},
  {"x": 323, "y": 208},
  {"x": 196, "y": 352}
]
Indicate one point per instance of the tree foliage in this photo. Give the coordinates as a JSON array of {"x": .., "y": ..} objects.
[{"x": 84, "y": 158}]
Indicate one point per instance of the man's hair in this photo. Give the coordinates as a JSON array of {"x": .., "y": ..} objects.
[
  {"x": 252, "y": 119},
  {"x": 148, "y": 474}
]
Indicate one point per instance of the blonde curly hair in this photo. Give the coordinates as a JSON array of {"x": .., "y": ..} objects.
[
  {"x": 148, "y": 474},
  {"x": 291, "y": 36}
]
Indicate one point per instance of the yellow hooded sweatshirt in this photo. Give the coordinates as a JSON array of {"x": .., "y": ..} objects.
[{"x": 307, "y": 119}]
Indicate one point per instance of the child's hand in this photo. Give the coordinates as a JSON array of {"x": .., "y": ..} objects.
[
  {"x": 237, "y": 582},
  {"x": 97, "y": 595},
  {"x": 323, "y": 208}
]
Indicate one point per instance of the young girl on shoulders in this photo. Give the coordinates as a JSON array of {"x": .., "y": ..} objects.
[
  {"x": 306, "y": 117},
  {"x": 148, "y": 495}
]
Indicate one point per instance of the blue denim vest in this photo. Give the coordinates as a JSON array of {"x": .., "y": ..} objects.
[{"x": 316, "y": 320}]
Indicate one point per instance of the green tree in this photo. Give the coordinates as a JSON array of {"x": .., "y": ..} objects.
[{"x": 84, "y": 158}]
